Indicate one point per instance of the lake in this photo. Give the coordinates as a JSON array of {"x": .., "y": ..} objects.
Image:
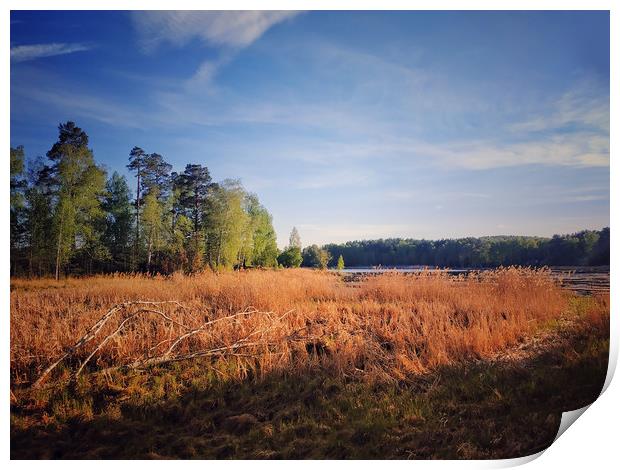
[{"x": 584, "y": 280}]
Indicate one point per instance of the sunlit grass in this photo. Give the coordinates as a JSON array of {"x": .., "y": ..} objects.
[
  {"x": 394, "y": 366},
  {"x": 385, "y": 328}
]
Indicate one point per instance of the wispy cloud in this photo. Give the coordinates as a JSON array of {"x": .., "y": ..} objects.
[
  {"x": 581, "y": 106},
  {"x": 80, "y": 104},
  {"x": 215, "y": 28},
  {"x": 36, "y": 51},
  {"x": 230, "y": 30},
  {"x": 578, "y": 149},
  {"x": 571, "y": 129}
]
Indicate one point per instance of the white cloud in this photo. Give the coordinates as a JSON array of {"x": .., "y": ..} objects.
[
  {"x": 36, "y": 51},
  {"x": 578, "y": 149},
  {"x": 235, "y": 29},
  {"x": 581, "y": 106},
  {"x": 232, "y": 30},
  {"x": 206, "y": 72}
]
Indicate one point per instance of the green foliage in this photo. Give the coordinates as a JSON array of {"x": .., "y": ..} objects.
[
  {"x": 227, "y": 240},
  {"x": 238, "y": 229},
  {"x": 340, "y": 264},
  {"x": 156, "y": 174},
  {"x": 119, "y": 226},
  {"x": 80, "y": 185},
  {"x": 315, "y": 257},
  {"x": 37, "y": 254},
  {"x": 589, "y": 247},
  {"x": 18, "y": 185},
  {"x": 291, "y": 257},
  {"x": 152, "y": 220},
  {"x": 265, "y": 247},
  {"x": 191, "y": 191},
  {"x": 181, "y": 251},
  {"x": 17, "y": 177},
  {"x": 66, "y": 218}
]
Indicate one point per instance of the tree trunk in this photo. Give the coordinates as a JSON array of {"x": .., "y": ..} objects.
[
  {"x": 219, "y": 248},
  {"x": 30, "y": 262},
  {"x": 195, "y": 221},
  {"x": 136, "y": 250},
  {"x": 58, "y": 249},
  {"x": 148, "y": 261}
]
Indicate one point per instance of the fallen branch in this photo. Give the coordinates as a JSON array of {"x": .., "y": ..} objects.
[
  {"x": 167, "y": 356},
  {"x": 119, "y": 329},
  {"x": 241, "y": 343},
  {"x": 93, "y": 330},
  {"x": 201, "y": 328}
]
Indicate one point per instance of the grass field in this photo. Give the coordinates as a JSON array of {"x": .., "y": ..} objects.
[{"x": 299, "y": 364}]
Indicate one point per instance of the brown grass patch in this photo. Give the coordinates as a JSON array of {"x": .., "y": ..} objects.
[{"x": 385, "y": 328}]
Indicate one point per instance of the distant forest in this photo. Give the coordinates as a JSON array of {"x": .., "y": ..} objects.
[{"x": 585, "y": 248}]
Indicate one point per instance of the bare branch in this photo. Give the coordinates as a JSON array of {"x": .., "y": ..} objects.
[{"x": 93, "y": 330}]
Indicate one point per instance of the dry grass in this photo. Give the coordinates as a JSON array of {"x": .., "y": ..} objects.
[
  {"x": 384, "y": 328},
  {"x": 598, "y": 312}
]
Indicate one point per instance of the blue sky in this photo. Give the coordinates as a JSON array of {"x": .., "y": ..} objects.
[{"x": 348, "y": 125}]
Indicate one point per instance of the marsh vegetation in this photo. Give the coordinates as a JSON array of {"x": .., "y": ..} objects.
[{"x": 299, "y": 363}]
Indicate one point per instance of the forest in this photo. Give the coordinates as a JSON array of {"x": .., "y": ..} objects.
[
  {"x": 585, "y": 248},
  {"x": 69, "y": 217}
]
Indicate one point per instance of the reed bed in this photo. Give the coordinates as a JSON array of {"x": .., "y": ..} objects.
[{"x": 254, "y": 323}]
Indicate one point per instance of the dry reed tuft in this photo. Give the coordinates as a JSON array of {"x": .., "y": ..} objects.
[
  {"x": 385, "y": 327},
  {"x": 598, "y": 312}
]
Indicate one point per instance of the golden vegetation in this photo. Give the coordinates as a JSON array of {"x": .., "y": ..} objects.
[
  {"x": 383, "y": 328},
  {"x": 370, "y": 369}
]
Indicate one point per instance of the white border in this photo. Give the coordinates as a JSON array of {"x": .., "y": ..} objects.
[{"x": 591, "y": 442}]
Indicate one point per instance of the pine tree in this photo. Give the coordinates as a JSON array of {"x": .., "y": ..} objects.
[
  {"x": 38, "y": 218},
  {"x": 137, "y": 164},
  {"x": 117, "y": 236},
  {"x": 192, "y": 187}
]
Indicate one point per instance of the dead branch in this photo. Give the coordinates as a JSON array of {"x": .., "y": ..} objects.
[
  {"x": 91, "y": 333},
  {"x": 167, "y": 356},
  {"x": 119, "y": 329},
  {"x": 201, "y": 328},
  {"x": 240, "y": 343}
]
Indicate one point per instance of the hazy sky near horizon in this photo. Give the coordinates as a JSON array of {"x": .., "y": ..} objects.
[{"x": 348, "y": 125}]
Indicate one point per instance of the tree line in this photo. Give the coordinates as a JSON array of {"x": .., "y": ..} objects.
[
  {"x": 585, "y": 248},
  {"x": 69, "y": 217}
]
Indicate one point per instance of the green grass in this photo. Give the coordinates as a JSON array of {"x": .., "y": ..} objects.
[{"x": 498, "y": 409}]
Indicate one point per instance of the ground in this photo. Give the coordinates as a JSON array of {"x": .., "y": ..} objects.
[{"x": 506, "y": 406}]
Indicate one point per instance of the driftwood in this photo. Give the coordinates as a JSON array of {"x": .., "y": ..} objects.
[{"x": 167, "y": 356}]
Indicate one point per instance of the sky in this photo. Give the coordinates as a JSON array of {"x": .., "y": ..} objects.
[{"x": 347, "y": 125}]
